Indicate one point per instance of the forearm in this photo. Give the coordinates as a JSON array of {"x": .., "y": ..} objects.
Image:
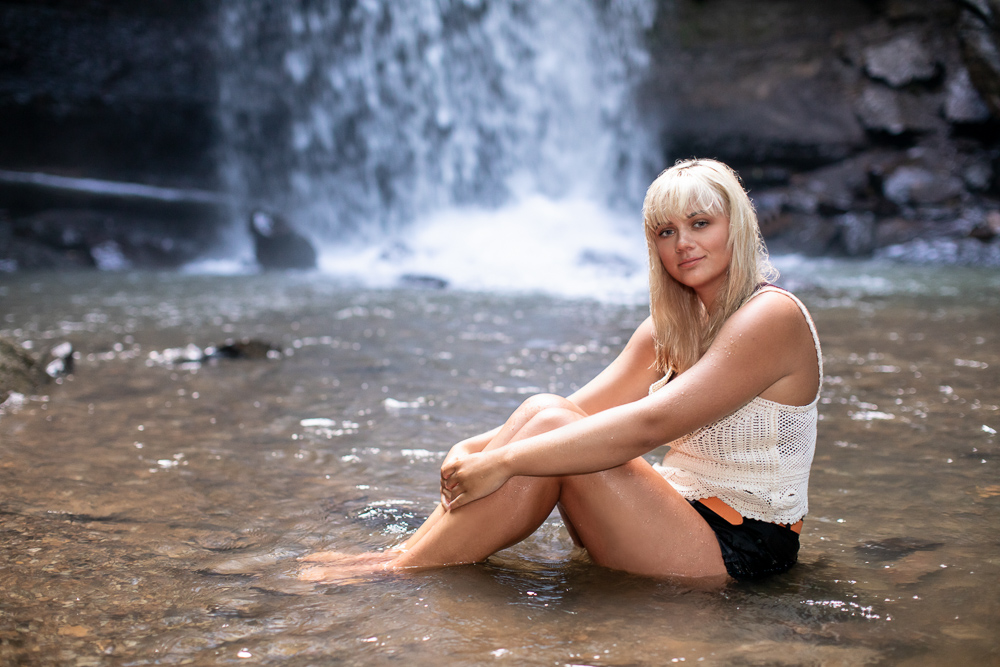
[
  {"x": 477, "y": 443},
  {"x": 598, "y": 442}
]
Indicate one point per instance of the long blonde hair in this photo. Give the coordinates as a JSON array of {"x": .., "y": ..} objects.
[{"x": 682, "y": 328}]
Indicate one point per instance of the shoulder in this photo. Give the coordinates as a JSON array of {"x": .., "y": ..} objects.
[
  {"x": 775, "y": 315},
  {"x": 643, "y": 336}
]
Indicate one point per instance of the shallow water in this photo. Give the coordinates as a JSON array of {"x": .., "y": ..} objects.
[{"x": 152, "y": 511}]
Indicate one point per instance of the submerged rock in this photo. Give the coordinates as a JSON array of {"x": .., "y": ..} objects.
[
  {"x": 895, "y": 548},
  {"x": 23, "y": 373},
  {"x": 246, "y": 348}
]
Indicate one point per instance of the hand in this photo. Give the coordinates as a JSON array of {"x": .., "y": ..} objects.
[
  {"x": 463, "y": 448},
  {"x": 468, "y": 477}
]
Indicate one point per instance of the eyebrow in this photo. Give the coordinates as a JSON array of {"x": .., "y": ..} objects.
[{"x": 696, "y": 213}]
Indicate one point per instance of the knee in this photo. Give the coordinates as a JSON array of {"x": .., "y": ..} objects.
[
  {"x": 539, "y": 403},
  {"x": 550, "y": 419}
]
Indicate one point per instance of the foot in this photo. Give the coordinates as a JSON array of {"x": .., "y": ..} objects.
[
  {"x": 341, "y": 558},
  {"x": 339, "y": 568}
]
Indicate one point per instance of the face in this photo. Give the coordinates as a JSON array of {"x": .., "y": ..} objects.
[{"x": 694, "y": 252}]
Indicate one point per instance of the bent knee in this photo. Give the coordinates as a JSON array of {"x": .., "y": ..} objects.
[
  {"x": 552, "y": 418},
  {"x": 542, "y": 402}
]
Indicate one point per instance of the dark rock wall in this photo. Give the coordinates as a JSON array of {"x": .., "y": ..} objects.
[
  {"x": 119, "y": 90},
  {"x": 114, "y": 90},
  {"x": 860, "y": 127}
]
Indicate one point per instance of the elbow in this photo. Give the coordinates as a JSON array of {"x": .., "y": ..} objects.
[{"x": 651, "y": 431}]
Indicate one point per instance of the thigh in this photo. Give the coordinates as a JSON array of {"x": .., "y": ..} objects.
[{"x": 629, "y": 518}]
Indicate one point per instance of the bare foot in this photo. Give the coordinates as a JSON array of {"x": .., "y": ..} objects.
[
  {"x": 340, "y": 568},
  {"x": 341, "y": 558}
]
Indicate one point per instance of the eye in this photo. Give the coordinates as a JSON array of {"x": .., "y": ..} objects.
[
  {"x": 700, "y": 224},
  {"x": 665, "y": 232}
]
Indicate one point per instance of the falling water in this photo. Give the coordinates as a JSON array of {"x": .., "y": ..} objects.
[{"x": 412, "y": 127}]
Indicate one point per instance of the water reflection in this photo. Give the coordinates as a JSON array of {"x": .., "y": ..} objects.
[{"x": 153, "y": 508}]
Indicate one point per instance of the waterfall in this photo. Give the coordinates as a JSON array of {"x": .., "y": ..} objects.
[{"x": 395, "y": 126}]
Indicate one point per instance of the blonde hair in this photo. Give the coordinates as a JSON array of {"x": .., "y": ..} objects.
[{"x": 682, "y": 328}]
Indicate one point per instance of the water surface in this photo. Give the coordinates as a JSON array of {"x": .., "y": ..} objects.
[{"x": 152, "y": 509}]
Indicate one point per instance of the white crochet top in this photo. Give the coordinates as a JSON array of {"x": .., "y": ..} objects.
[{"x": 756, "y": 459}]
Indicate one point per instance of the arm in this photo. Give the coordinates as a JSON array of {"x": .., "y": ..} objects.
[
  {"x": 760, "y": 347},
  {"x": 626, "y": 379}
]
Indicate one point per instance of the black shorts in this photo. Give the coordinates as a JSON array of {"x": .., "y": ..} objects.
[{"x": 754, "y": 549}]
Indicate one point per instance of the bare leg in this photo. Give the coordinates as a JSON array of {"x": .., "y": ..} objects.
[
  {"x": 527, "y": 411},
  {"x": 628, "y": 517},
  {"x": 524, "y": 502}
]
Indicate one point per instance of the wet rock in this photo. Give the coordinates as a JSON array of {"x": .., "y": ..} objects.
[
  {"x": 988, "y": 229},
  {"x": 900, "y": 61},
  {"x": 979, "y": 32},
  {"x": 422, "y": 281},
  {"x": 963, "y": 103},
  {"x": 894, "y": 548},
  {"x": 20, "y": 372},
  {"x": 277, "y": 245},
  {"x": 246, "y": 348},
  {"x": 857, "y": 233},
  {"x": 104, "y": 239},
  {"x": 883, "y": 109},
  {"x": 958, "y": 252},
  {"x": 917, "y": 185},
  {"x": 60, "y": 360}
]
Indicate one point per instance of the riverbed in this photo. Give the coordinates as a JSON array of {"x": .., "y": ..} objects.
[{"x": 154, "y": 505}]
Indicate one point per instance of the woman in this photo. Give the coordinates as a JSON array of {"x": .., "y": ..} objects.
[{"x": 726, "y": 369}]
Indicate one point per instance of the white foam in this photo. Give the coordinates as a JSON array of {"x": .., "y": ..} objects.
[{"x": 567, "y": 247}]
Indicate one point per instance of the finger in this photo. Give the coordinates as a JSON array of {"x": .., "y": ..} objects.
[{"x": 458, "y": 501}]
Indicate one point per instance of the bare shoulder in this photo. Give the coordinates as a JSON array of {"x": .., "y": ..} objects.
[
  {"x": 642, "y": 337},
  {"x": 771, "y": 331},
  {"x": 773, "y": 313}
]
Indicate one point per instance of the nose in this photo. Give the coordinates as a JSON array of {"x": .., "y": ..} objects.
[{"x": 684, "y": 241}]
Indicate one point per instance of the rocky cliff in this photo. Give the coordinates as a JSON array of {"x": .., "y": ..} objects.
[{"x": 861, "y": 127}]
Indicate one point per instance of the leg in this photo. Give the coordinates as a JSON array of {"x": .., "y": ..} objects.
[
  {"x": 525, "y": 502},
  {"x": 629, "y": 518},
  {"x": 511, "y": 430}
]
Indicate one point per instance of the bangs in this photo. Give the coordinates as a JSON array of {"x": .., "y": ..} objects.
[{"x": 675, "y": 196}]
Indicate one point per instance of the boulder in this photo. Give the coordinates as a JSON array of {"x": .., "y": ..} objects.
[
  {"x": 900, "y": 61},
  {"x": 913, "y": 185},
  {"x": 962, "y": 102},
  {"x": 277, "y": 245},
  {"x": 882, "y": 109},
  {"x": 979, "y": 32},
  {"x": 22, "y": 372}
]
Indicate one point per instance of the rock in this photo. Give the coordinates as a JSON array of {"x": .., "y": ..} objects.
[
  {"x": 20, "y": 372},
  {"x": 857, "y": 233},
  {"x": 106, "y": 239},
  {"x": 917, "y": 185},
  {"x": 277, "y": 245},
  {"x": 988, "y": 229},
  {"x": 894, "y": 548},
  {"x": 978, "y": 176},
  {"x": 60, "y": 360},
  {"x": 900, "y": 61},
  {"x": 427, "y": 282},
  {"x": 962, "y": 102},
  {"x": 23, "y": 373},
  {"x": 886, "y": 110},
  {"x": 963, "y": 252},
  {"x": 246, "y": 348},
  {"x": 979, "y": 32}
]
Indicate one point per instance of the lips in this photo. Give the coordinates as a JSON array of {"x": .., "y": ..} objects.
[{"x": 688, "y": 263}]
